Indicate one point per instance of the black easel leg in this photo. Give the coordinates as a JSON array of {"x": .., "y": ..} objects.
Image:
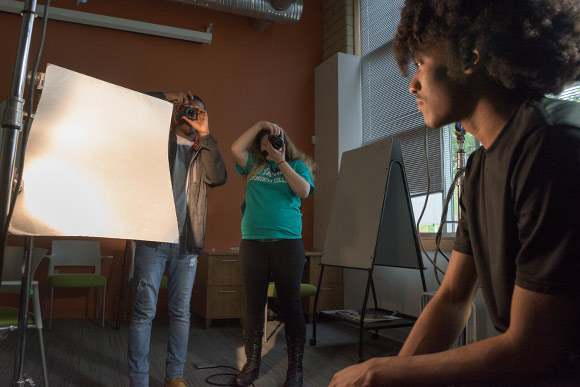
[
  {"x": 362, "y": 317},
  {"x": 374, "y": 292},
  {"x": 376, "y": 334}
]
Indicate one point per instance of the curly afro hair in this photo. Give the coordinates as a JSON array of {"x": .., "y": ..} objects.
[{"x": 529, "y": 46}]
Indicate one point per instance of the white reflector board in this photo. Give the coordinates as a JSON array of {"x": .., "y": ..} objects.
[{"x": 96, "y": 163}]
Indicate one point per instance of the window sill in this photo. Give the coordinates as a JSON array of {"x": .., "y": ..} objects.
[{"x": 446, "y": 241}]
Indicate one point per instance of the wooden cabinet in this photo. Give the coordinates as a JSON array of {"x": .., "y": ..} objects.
[{"x": 218, "y": 291}]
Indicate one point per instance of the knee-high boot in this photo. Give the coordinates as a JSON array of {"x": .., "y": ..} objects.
[
  {"x": 294, "y": 375},
  {"x": 251, "y": 370}
]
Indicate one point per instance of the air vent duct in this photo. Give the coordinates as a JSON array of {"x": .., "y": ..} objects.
[{"x": 278, "y": 11}]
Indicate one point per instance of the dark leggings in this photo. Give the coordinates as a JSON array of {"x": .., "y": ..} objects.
[{"x": 284, "y": 261}]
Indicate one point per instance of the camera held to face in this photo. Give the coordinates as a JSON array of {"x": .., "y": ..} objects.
[
  {"x": 276, "y": 141},
  {"x": 186, "y": 111}
]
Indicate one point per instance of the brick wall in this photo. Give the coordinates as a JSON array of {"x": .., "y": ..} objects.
[{"x": 340, "y": 27}]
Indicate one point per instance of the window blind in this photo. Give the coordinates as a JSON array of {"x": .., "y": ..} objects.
[
  {"x": 571, "y": 93},
  {"x": 388, "y": 108}
]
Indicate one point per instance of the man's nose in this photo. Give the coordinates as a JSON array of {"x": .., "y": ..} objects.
[{"x": 414, "y": 86}]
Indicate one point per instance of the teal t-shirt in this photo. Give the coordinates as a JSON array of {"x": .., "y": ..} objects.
[{"x": 271, "y": 209}]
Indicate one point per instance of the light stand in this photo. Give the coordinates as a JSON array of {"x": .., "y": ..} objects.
[
  {"x": 11, "y": 126},
  {"x": 460, "y": 135},
  {"x": 12, "y": 120},
  {"x": 19, "y": 377}
]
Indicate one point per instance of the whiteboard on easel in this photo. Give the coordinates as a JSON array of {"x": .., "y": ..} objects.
[
  {"x": 372, "y": 222},
  {"x": 357, "y": 206}
]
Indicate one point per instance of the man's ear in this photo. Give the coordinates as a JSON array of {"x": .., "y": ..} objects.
[{"x": 474, "y": 61}]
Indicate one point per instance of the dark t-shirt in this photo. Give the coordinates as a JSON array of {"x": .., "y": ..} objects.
[{"x": 521, "y": 207}]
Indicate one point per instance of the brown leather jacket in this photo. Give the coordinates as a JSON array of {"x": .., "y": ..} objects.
[{"x": 206, "y": 169}]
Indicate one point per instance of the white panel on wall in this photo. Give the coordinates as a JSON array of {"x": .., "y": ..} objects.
[{"x": 338, "y": 128}]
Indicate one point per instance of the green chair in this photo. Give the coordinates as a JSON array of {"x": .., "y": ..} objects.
[
  {"x": 162, "y": 285},
  {"x": 77, "y": 253},
  {"x": 11, "y": 281},
  {"x": 306, "y": 290}
]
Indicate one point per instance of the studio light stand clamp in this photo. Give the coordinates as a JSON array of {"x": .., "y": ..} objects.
[{"x": 38, "y": 79}]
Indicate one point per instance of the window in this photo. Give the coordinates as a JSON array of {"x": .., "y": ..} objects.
[
  {"x": 571, "y": 93},
  {"x": 390, "y": 110}
]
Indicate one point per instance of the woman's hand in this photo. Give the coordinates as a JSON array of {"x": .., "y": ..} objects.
[
  {"x": 274, "y": 129},
  {"x": 277, "y": 155}
]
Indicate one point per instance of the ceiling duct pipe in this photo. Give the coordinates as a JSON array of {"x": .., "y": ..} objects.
[{"x": 262, "y": 12}]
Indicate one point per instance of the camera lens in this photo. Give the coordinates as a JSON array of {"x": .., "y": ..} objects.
[
  {"x": 191, "y": 113},
  {"x": 276, "y": 141},
  {"x": 187, "y": 111}
]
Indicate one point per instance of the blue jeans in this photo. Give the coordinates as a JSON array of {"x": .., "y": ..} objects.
[{"x": 151, "y": 259}]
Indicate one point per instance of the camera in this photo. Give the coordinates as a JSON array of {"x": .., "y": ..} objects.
[
  {"x": 276, "y": 141},
  {"x": 186, "y": 111}
]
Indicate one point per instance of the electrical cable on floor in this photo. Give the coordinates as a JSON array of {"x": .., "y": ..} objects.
[{"x": 213, "y": 366}]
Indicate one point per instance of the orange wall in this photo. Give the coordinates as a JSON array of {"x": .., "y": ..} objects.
[{"x": 243, "y": 76}]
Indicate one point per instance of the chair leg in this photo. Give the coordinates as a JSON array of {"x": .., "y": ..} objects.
[
  {"x": 43, "y": 358},
  {"x": 45, "y": 299},
  {"x": 104, "y": 301},
  {"x": 50, "y": 318},
  {"x": 266, "y": 322},
  {"x": 96, "y": 304}
]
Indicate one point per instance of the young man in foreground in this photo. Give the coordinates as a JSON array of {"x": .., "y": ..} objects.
[{"x": 488, "y": 65}]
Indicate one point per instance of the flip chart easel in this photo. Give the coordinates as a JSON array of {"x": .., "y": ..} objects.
[{"x": 371, "y": 223}]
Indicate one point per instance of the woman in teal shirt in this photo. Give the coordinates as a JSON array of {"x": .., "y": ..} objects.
[{"x": 278, "y": 176}]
